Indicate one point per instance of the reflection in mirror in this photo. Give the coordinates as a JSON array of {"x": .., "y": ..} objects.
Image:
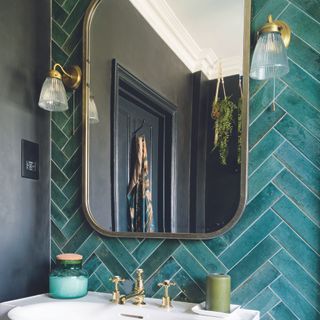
[{"x": 165, "y": 143}]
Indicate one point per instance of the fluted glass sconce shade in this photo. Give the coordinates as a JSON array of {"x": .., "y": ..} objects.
[
  {"x": 93, "y": 112},
  {"x": 270, "y": 58},
  {"x": 53, "y": 96}
]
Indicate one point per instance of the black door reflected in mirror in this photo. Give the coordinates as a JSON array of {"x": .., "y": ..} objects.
[{"x": 168, "y": 157}]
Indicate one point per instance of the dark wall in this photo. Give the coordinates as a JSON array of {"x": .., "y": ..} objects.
[
  {"x": 24, "y": 203},
  {"x": 122, "y": 33}
]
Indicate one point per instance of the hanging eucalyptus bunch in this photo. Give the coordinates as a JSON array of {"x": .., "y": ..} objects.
[{"x": 222, "y": 114}]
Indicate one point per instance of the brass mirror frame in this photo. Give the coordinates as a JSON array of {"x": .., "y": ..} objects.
[{"x": 86, "y": 138}]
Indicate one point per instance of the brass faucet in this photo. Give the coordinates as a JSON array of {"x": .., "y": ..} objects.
[
  {"x": 138, "y": 291},
  {"x": 166, "y": 300},
  {"x": 116, "y": 293}
]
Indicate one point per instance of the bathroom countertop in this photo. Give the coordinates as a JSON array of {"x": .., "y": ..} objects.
[{"x": 98, "y": 297}]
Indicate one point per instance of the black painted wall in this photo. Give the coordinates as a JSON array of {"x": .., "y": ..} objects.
[{"x": 24, "y": 203}]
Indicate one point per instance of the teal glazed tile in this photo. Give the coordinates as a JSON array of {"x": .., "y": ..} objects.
[
  {"x": 303, "y": 84},
  {"x": 58, "y": 13},
  {"x": 294, "y": 300},
  {"x": 73, "y": 164},
  {"x": 57, "y": 216},
  {"x": 69, "y": 4},
  {"x": 254, "y": 260},
  {"x": 58, "y": 136},
  {"x": 192, "y": 266},
  {"x": 255, "y": 284},
  {"x": 306, "y": 143},
  {"x": 295, "y": 274},
  {"x": 257, "y": 5},
  {"x": 58, "y": 56},
  {"x": 73, "y": 184},
  {"x": 109, "y": 260},
  {"x": 73, "y": 144},
  {"x": 248, "y": 240},
  {"x": 188, "y": 287},
  {"x": 281, "y": 312},
  {"x": 55, "y": 250},
  {"x": 159, "y": 256},
  {"x": 76, "y": 56},
  {"x": 263, "y": 124},
  {"x": 256, "y": 86},
  {"x": 73, "y": 204},
  {"x": 298, "y": 249},
  {"x": 57, "y": 196},
  {"x": 206, "y": 258},
  {"x": 263, "y": 302},
  {"x": 58, "y": 35},
  {"x": 303, "y": 169},
  {"x": 121, "y": 254},
  {"x": 261, "y": 178},
  {"x": 299, "y": 194},
  {"x": 59, "y": 118},
  {"x": 73, "y": 39},
  {"x": 93, "y": 283},
  {"x": 73, "y": 225},
  {"x": 301, "y": 111},
  {"x": 301, "y": 24},
  {"x": 260, "y": 204},
  {"x": 271, "y": 6},
  {"x": 104, "y": 275},
  {"x": 89, "y": 246},
  {"x": 216, "y": 245},
  {"x": 299, "y": 222},
  {"x": 263, "y": 99},
  {"x": 57, "y": 156},
  {"x": 311, "y": 7},
  {"x": 130, "y": 244},
  {"x": 78, "y": 238},
  {"x": 268, "y": 317},
  {"x": 76, "y": 15},
  {"x": 92, "y": 263},
  {"x": 58, "y": 176},
  {"x": 304, "y": 56},
  {"x": 57, "y": 236},
  {"x": 264, "y": 149},
  {"x": 146, "y": 248},
  {"x": 167, "y": 271}
]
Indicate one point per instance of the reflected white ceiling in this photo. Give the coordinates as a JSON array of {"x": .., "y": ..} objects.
[{"x": 202, "y": 33}]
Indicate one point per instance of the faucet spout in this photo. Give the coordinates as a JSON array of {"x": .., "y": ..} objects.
[{"x": 137, "y": 297}]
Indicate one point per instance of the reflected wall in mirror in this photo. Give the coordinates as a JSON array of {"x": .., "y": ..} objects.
[{"x": 166, "y": 153}]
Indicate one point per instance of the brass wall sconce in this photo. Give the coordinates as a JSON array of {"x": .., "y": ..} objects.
[
  {"x": 270, "y": 60},
  {"x": 53, "y": 96}
]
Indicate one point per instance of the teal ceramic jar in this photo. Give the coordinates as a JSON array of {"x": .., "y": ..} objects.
[{"x": 68, "y": 280}]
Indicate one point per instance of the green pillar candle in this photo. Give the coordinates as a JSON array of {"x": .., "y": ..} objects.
[{"x": 218, "y": 292}]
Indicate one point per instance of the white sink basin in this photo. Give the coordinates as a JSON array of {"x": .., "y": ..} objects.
[
  {"x": 97, "y": 306},
  {"x": 79, "y": 311}
]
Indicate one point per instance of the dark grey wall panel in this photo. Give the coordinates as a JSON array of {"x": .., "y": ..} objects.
[{"x": 24, "y": 203}]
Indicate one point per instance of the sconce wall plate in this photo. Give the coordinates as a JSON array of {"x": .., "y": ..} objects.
[
  {"x": 277, "y": 26},
  {"x": 73, "y": 79}
]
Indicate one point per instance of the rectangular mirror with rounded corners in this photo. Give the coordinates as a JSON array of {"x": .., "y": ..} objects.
[{"x": 165, "y": 112}]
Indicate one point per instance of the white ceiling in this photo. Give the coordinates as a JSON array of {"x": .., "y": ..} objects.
[{"x": 202, "y": 33}]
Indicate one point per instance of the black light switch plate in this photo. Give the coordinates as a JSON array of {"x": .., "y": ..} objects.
[{"x": 29, "y": 159}]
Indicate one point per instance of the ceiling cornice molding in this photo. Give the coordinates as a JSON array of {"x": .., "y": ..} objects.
[{"x": 164, "y": 21}]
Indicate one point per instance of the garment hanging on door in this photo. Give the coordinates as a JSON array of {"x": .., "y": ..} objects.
[{"x": 139, "y": 193}]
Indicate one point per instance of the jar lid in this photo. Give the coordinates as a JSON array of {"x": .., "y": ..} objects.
[{"x": 69, "y": 257}]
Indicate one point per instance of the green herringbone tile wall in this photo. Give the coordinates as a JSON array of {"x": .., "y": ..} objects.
[{"x": 273, "y": 252}]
